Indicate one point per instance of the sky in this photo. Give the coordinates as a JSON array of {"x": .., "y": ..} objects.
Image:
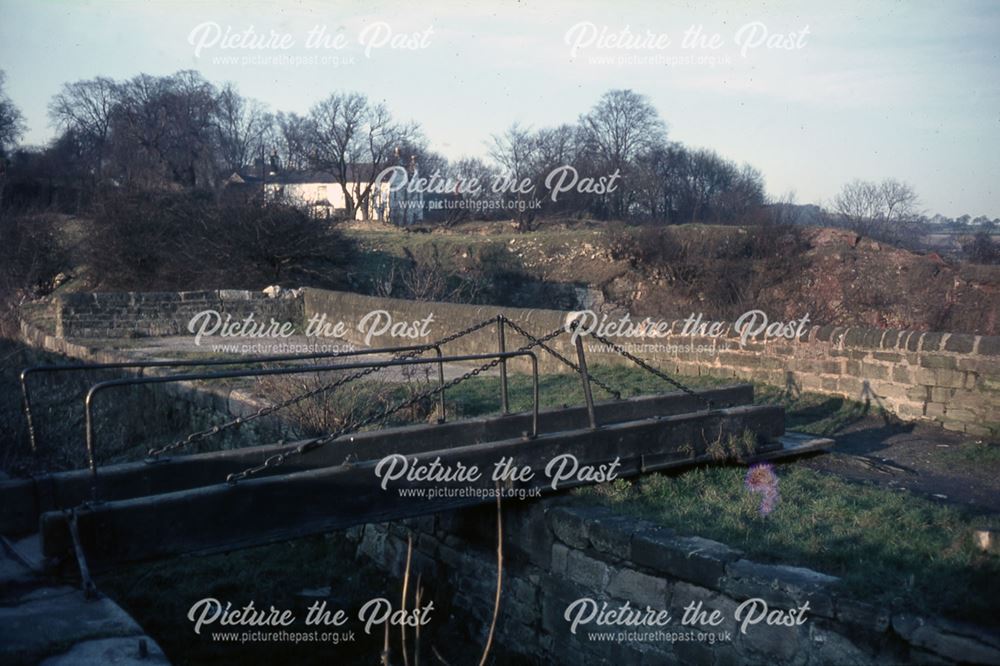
[{"x": 814, "y": 94}]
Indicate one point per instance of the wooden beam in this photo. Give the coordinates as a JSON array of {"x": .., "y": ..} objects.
[
  {"x": 291, "y": 505},
  {"x": 180, "y": 472}
]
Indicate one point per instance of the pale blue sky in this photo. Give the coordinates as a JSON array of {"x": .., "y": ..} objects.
[{"x": 904, "y": 90}]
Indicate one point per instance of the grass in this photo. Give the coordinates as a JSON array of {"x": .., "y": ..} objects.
[
  {"x": 983, "y": 454},
  {"x": 480, "y": 396},
  {"x": 811, "y": 413},
  {"x": 889, "y": 547}
]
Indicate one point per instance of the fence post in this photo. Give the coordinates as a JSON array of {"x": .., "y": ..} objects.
[
  {"x": 502, "y": 348},
  {"x": 585, "y": 378}
]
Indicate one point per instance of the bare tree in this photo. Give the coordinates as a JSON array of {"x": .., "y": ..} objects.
[
  {"x": 354, "y": 140},
  {"x": 86, "y": 108},
  {"x": 886, "y": 211},
  {"x": 164, "y": 130},
  {"x": 292, "y": 140},
  {"x": 11, "y": 120},
  {"x": 622, "y": 126},
  {"x": 243, "y": 126},
  {"x": 11, "y": 129},
  {"x": 516, "y": 151},
  {"x": 556, "y": 147},
  {"x": 472, "y": 192}
]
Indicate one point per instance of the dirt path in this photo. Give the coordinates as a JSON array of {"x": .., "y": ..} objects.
[{"x": 943, "y": 465}]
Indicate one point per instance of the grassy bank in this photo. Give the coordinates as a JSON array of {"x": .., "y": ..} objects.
[{"x": 888, "y": 546}]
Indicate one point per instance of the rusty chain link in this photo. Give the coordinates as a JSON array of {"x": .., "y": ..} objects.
[
  {"x": 272, "y": 408},
  {"x": 381, "y": 416},
  {"x": 617, "y": 395},
  {"x": 645, "y": 366}
]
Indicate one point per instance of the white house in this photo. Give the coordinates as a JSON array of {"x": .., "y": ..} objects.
[{"x": 321, "y": 193}]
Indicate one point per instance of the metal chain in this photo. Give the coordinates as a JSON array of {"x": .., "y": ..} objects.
[
  {"x": 617, "y": 395},
  {"x": 465, "y": 331},
  {"x": 378, "y": 417},
  {"x": 645, "y": 366},
  {"x": 272, "y": 408}
]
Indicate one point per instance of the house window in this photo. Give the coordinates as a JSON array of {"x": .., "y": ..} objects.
[{"x": 321, "y": 193}]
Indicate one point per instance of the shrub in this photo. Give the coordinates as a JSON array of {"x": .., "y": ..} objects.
[
  {"x": 30, "y": 258},
  {"x": 168, "y": 240},
  {"x": 982, "y": 249}
]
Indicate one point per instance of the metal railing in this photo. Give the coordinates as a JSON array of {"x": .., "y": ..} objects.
[
  {"x": 264, "y": 372},
  {"x": 189, "y": 363},
  {"x": 408, "y": 353}
]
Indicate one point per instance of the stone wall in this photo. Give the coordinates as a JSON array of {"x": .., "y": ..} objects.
[
  {"x": 557, "y": 553},
  {"x": 352, "y": 309},
  {"x": 950, "y": 378},
  {"x": 150, "y": 415},
  {"x": 137, "y": 314}
]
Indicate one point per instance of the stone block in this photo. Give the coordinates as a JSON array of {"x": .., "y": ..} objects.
[
  {"x": 941, "y": 394},
  {"x": 613, "y": 535},
  {"x": 528, "y": 533},
  {"x": 781, "y": 585},
  {"x": 587, "y": 571},
  {"x": 830, "y": 647},
  {"x": 869, "y": 617},
  {"x": 776, "y": 644},
  {"x": 111, "y": 652},
  {"x": 560, "y": 558},
  {"x": 854, "y": 337},
  {"x": 989, "y": 345},
  {"x": 955, "y": 641},
  {"x": 639, "y": 588},
  {"x": 950, "y": 378},
  {"x": 556, "y": 595},
  {"x": 936, "y": 361},
  {"x": 54, "y": 616},
  {"x": 874, "y": 371},
  {"x": 959, "y": 342},
  {"x": 571, "y": 524},
  {"x": 931, "y": 341},
  {"x": 693, "y": 559},
  {"x": 901, "y": 374}
]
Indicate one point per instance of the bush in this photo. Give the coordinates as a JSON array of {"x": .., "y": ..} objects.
[
  {"x": 30, "y": 258},
  {"x": 723, "y": 268},
  {"x": 171, "y": 241},
  {"x": 982, "y": 249}
]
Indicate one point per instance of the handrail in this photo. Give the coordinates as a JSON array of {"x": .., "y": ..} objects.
[
  {"x": 182, "y": 363},
  {"x": 264, "y": 372}
]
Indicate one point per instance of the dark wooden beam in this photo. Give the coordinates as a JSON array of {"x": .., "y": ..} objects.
[
  {"x": 180, "y": 472},
  {"x": 284, "y": 506}
]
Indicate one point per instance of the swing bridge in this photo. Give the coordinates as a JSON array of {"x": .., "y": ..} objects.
[{"x": 176, "y": 501}]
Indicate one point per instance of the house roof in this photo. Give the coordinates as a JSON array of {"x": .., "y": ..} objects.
[{"x": 252, "y": 174}]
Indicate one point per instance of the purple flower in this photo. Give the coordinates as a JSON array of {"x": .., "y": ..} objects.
[{"x": 762, "y": 480}]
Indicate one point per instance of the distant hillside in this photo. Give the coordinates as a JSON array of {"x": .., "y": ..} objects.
[
  {"x": 833, "y": 275},
  {"x": 721, "y": 271}
]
